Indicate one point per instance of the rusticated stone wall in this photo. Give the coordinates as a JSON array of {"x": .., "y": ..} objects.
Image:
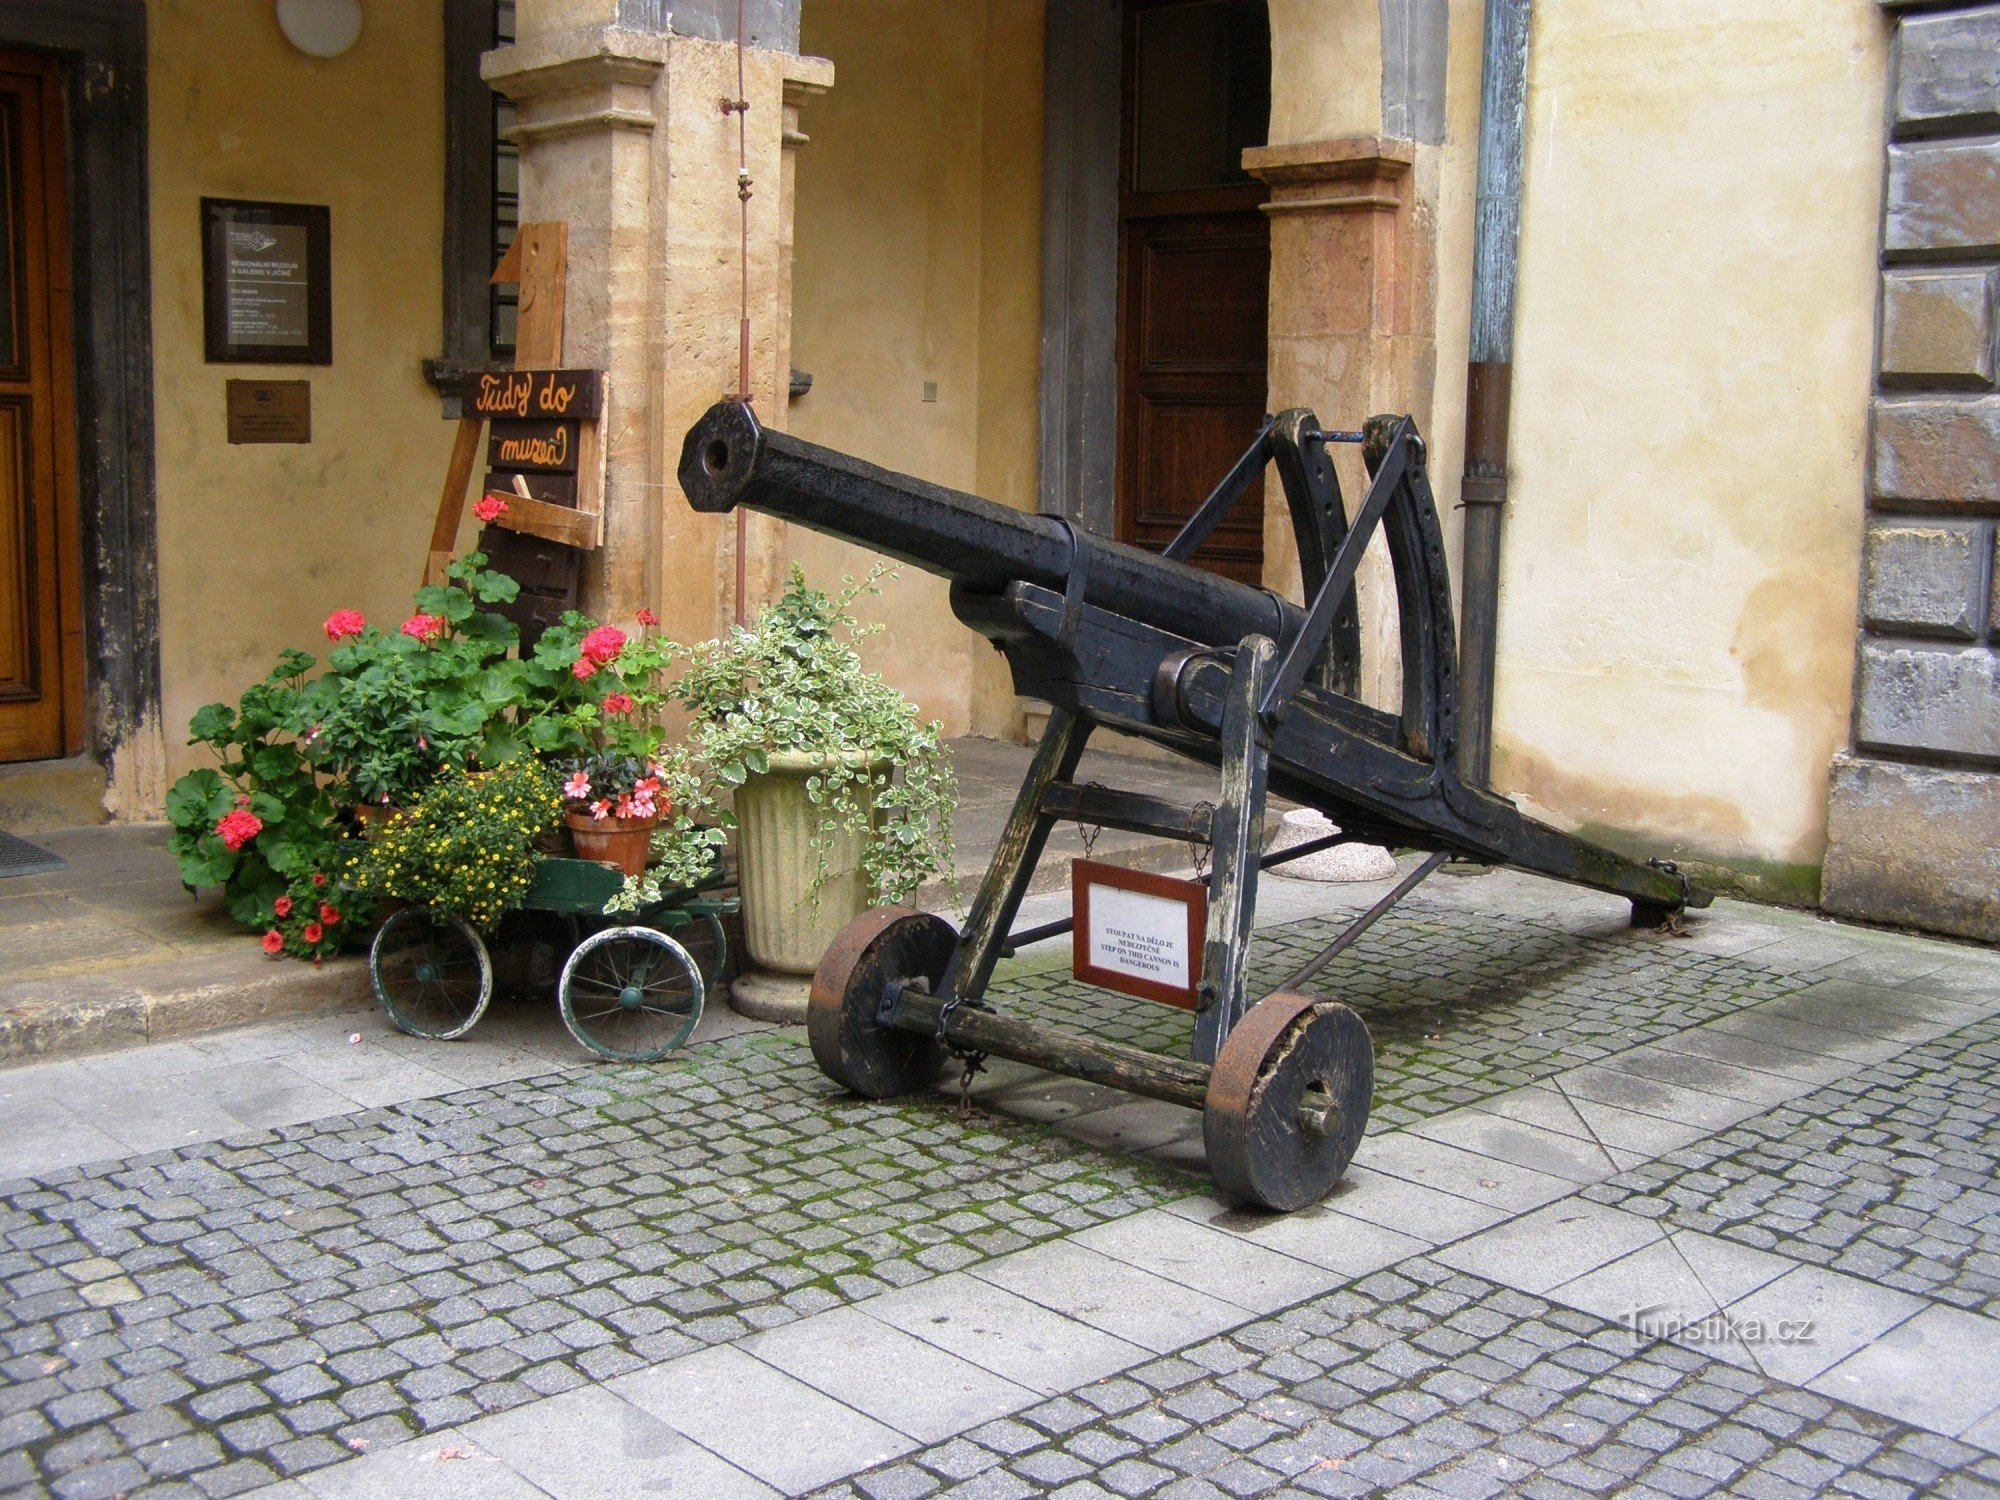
[{"x": 1914, "y": 817}]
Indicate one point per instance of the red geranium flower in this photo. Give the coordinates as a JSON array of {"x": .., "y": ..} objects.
[
  {"x": 343, "y": 623},
  {"x": 603, "y": 644},
  {"x": 239, "y": 827},
  {"x": 328, "y": 915},
  {"x": 282, "y": 906},
  {"x": 618, "y": 703},
  {"x": 314, "y": 932},
  {"x": 319, "y": 879},
  {"x": 424, "y": 627},
  {"x": 274, "y": 941},
  {"x": 490, "y": 508},
  {"x": 583, "y": 667},
  {"x": 647, "y": 617}
]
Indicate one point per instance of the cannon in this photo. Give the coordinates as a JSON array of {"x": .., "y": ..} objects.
[{"x": 1260, "y": 688}]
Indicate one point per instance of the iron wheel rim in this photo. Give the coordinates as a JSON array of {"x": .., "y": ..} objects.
[
  {"x": 432, "y": 974},
  {"x": 631, "y": 994}
]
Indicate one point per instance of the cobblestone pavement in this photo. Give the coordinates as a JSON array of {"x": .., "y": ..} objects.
[
  {"x": 281, "y": 1297},
  {"x": 1460, "y": 1012},
  {"x": 1443, "y": 1383},
  {"x": 1887, "y": 1175},
  {"x": 1636, "y": 1215}
]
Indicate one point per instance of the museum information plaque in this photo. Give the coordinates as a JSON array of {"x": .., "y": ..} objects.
[
  {"x": 1138, "y": 933},
  {"x": 270, "y": 411},
  {"x": 266, "y": 282}
]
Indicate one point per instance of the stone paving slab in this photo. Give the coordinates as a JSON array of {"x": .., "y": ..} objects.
[
  {"x": 1887, "y": 1174},
  {"x": 1426, "y": 1381}
]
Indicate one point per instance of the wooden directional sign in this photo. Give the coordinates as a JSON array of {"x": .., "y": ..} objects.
[
  {"x": 550, "y": 489},
  {"x": 513, "y": 395},
  {"x": 533, "y": 445}
]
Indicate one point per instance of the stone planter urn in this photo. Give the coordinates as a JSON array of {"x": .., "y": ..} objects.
[{"x": 785, "y": 930}]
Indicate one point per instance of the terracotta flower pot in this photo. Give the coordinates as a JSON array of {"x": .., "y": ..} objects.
[{"x": 624, "y": 842}]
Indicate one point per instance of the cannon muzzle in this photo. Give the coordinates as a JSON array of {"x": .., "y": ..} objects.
[{"x": 730, "y": 459}]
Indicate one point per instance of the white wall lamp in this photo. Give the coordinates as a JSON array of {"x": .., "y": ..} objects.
[{"x": 320, "y": 28}]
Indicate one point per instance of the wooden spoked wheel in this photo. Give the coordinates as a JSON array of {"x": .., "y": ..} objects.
[
  {"x": 1288, "y": 1101},
  {"x": 431, "y": 973},
  {"x": 888, "y": 945}
]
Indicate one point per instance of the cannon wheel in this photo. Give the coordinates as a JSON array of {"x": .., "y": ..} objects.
[
  {"x": 877, "y": 948},
  {"x": 1288, "y": 1101}
]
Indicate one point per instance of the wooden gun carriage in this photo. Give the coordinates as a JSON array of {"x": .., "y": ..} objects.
[{"x": 1226, "y": 674}]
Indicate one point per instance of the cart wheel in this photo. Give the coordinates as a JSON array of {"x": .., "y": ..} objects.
[
  {"x": 630, "y": 993},
  {"x": 703, "y": 938},
  {"x": 1288, "y": 1101},
  {"x": 877, "y": 948},
  {"x": 432, "y": 974}
]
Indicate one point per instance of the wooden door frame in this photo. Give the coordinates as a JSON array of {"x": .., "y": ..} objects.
[
  {"x": 101, "y": 48},
  {"x": 43, "y": 278}
]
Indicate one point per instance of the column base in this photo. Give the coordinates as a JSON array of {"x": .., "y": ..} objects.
[{"x": 779, "y": 998}]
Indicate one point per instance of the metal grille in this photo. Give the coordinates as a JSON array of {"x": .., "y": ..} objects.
[
  {"x": 19, "y": 857},
  {"x": 506, "y": 193}
]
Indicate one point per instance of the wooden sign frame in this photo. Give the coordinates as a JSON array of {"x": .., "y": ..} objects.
[{"x": 1088, "y": 873}]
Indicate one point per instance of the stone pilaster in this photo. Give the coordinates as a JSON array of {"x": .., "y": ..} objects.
[
  {"x": 1913, "y": 822},
  {"x": 624, "y": 138},
  {"x": 1351, "y": 333}
]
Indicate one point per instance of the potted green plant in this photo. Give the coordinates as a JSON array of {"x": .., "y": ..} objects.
[
  {"x": 843, "y": 796},
  {"x": 261, "y": 822},
  {"x": 397, "y": 708},
  {"x": 614, "y": 785},
  {"x": 465, "y": 847}
]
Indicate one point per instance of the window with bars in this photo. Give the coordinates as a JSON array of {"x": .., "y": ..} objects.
[
  {"x": 503, "y": 308},
  {"x": 482, "y": 199}
]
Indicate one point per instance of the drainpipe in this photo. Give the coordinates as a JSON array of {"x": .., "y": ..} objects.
[{"x": 1489, "y": 382}]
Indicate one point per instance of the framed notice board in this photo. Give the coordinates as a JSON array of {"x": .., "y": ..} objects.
[
  {"x": 1138, "y": 933},
  {"x": 266, "y": 282}
]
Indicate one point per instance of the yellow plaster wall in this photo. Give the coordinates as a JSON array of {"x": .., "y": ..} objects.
[
  {"x": 1326, "y": 69},
  {"x": 1692, "y": 368},
  {"x": 257, "y": 544},
  {"x": 918, "y": 228}
]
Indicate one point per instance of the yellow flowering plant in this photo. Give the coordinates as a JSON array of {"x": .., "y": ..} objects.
[{"x": 467, "y": 847}]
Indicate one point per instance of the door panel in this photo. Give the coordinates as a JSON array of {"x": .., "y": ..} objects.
[
  {"x": 41, "y": 685},
  {"x": 1194, "y": 273}
]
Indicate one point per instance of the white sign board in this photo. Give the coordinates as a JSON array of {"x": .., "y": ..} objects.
[{"x": 1138, "y": 933}]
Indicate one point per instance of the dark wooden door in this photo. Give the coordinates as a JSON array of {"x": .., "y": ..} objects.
[
  {"x": 41, "y": 683},
  {"x": 1194, "y": 271}
]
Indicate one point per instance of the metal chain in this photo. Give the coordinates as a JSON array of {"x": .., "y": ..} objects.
[
  {"x": 1089, "y": 832},
  {"x": 971, "y": 1057},
  {"x": 1200, "y": 849}
]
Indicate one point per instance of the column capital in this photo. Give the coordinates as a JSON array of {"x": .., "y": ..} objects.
[
  {"x": 1353, "y": 172},
  {"x": 565, "y": 61}
]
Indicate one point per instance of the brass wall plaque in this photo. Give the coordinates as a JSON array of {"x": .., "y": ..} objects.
[{"x": 270, "y": 411}]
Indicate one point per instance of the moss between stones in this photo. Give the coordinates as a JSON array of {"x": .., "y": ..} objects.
[{"x": 1767, "y": 880}]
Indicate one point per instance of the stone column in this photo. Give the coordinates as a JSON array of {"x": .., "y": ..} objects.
[
  {"x": 1350, "y": 334},
  {"x": 624, "y": 137},
  {"x": 1913, "y": 820}
]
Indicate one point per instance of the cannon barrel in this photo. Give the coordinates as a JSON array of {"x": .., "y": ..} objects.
[{"x": 730, "y": 459}]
